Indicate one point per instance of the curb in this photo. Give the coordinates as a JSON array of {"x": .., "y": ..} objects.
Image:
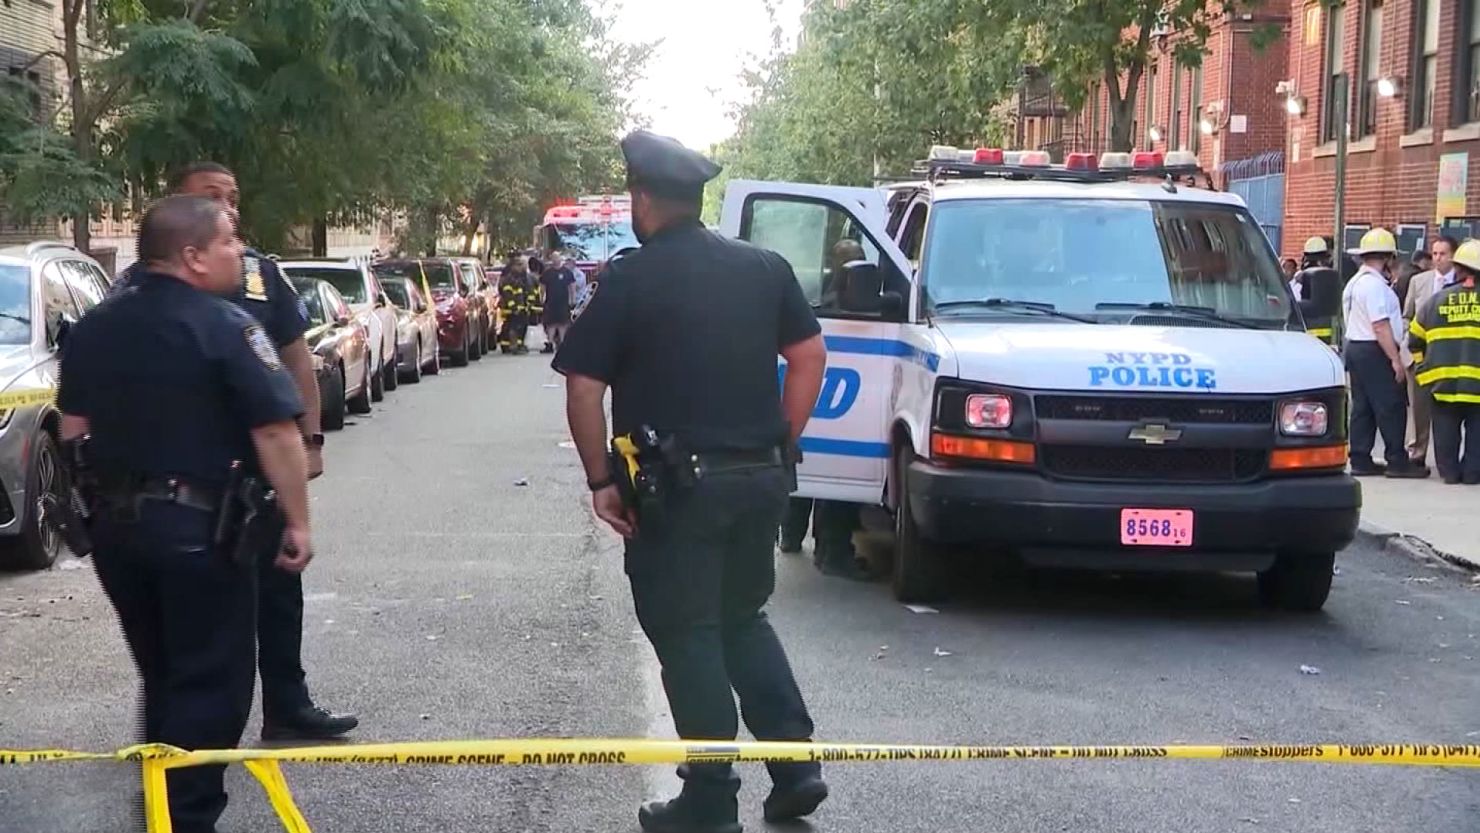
[{"x": 1411, "y": 546}]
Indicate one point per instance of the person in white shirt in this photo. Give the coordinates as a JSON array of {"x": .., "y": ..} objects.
[
  {"x": 1421, "y": 288},
  {"x": 1374, "y": 358}
]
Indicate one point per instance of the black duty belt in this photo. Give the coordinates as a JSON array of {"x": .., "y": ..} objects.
[
  {"x": 725, "y": 462},
  {"x": 165, "y": 490}
]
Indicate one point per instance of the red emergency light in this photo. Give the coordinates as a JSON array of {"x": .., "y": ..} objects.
[
  {"x": 987, "y": 156},
  {"x": 1145, "y": 160},
  {"x": 1081, "y": 162}
]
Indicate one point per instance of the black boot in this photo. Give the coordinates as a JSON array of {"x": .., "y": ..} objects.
[
  {"x": 690, "y": 814},
  {"x": 792, "y": 801},
  {"x": 308, "y": 723}
]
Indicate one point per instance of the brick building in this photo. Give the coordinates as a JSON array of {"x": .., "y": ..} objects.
[{"x": 1401, "y": 147}]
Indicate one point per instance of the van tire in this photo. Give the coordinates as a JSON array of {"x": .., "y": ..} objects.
[
  {"x": 1298, "y": 581},
  {"x": 918, "y": 571}
]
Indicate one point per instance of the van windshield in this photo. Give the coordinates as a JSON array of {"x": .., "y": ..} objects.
[{"x": 1088, "y": 256}]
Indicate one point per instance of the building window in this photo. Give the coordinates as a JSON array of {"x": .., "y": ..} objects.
[
  {"x": 1194, "y": 128},
  {"x": 1371, "y": 60},
  {"x": 1425, "y": 64},
  {"x": 1176, "y": 142},
  {"x": 1150, "y": 104},
  {"x": 1335, "y": 68},
  {"x": 1467, "y": 74}
]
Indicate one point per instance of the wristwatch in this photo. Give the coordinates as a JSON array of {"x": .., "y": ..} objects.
[{"x": 313, "y": 440}]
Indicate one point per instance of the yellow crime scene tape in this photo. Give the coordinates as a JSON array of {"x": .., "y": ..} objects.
[
  {"x": 30, "y": 396},
  {"x": 155, "y": 760}
]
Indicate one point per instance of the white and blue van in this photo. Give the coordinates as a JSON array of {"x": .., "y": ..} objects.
[{"x": 1093, "y": 365}]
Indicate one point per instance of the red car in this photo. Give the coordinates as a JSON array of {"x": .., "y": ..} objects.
[{"x": 455, "y": 339}]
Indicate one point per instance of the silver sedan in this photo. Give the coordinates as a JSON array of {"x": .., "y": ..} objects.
[{"x": 416, "y": 330}]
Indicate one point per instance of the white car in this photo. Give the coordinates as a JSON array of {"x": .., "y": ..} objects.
[
  {"x": 1068, "y": 364},
  {"x": 370, "y": 306}
]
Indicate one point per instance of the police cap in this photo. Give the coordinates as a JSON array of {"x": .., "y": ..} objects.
[{"x": 664, "y": 167}]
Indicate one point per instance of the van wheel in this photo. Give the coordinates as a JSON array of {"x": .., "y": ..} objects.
[
  {"x": 331, "y": 402},
  {"x": 1298, "y": 581},
  {"x": 40, "y": 539},
  {"x": 919, "y": 567}
]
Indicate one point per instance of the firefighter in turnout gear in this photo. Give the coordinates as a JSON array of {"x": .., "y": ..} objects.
[
  {"x": 1315, "y": 266},
  {"x": 1445, "y": 340},
  {"x": 513, "y": 302}
]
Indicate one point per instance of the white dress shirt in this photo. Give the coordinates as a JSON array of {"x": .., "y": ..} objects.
[{"x": 1369, "y": 298}]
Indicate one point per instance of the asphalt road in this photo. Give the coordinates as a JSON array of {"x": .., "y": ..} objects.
[{"x": 449, "y": 602}]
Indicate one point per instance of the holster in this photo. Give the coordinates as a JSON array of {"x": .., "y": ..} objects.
[
  {"x": 256, "y": 524},
  {"x": 80, "y": 488}
]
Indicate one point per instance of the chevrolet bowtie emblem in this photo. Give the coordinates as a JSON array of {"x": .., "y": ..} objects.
[{"x": 1155, "y": 434}]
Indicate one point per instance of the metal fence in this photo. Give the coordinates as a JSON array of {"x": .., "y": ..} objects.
[{"x": 1260, "y": 180}]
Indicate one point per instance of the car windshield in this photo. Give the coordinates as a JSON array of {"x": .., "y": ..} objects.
[
  {"x": 396, "y": 291},
  {"x": 1102, "y": 258},
  {"x": 591, "y": 242},
  {"x": 312, "y": 301},
  {"x": 349, "y": 281},
  {"x": 15, "y": 304},
  {"x": 439, "y": 276}
]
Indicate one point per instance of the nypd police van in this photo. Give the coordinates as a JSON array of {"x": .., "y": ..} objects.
[{"x": 1094, "y": 365}]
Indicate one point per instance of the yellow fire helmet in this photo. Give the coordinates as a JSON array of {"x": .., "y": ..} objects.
[
  {"x": 1468, "y": 255},
  {"x": 1378, "y": 241},
  {"x": 1316, "y": 246}
]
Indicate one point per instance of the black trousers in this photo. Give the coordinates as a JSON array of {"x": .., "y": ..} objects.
[
  {"x": 279, "y": 635},
  {"x": 187, "y": 616},
  {"x": 833, "y": 524},
  {"x": 700, "y": 582},
  {"x": 1456, "y": 427},
  {"x": 516, "y": 326},
  {"x": 1379, "y": 403}
]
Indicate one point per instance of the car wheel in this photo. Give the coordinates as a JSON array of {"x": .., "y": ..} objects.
[
  {"x": 331, "y": 402},
  {"x": 1298, "y": 581},
  {"x": 435, "y": 366},
  {"x": 918, "y": 563},
  {"x": 475, "y": 344},
  {"x": 413, "y": 373},
  {"x": 460, "y": 358},
  {"x": 361, "y": 403},
  {"x": 40, "y": 540},
  {"x": 377, "y": 384},
  {"x": 392, "y": 372}
]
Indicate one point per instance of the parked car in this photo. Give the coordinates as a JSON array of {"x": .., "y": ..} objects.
[
  {"x": 341, "y": 352},
  {"x": 455, "y": 339},
  {"x": 474, "y": 288},
  {"x": 416, "y": 330},
  {"x": 357, "y": 284},
  {"x": 45, "y": 288}
]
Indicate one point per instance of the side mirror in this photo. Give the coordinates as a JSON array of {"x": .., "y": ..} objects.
[
  {"x": 64, "y": 326},
  {"x": 1323, "y": 294},
  {"x": 380, "y": 301},
  {"x": 892, "y": 306},
  {"x": 342, "y": 321}
]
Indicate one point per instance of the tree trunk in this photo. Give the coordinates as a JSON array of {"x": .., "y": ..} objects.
[
  {"x": 82, "y": 126},
  {"x": 320, "y": 237},
  {"x": 469, "y": 234}
]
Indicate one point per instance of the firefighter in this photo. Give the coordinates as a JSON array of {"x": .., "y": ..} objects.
[
  {"x": 1315, "y": 267},
  {"x": 511, "y": 302},
  {"x": 1446, "y": 352}
]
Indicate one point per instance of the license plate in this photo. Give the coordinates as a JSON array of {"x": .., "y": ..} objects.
[{"x": 1156, "y": 527}]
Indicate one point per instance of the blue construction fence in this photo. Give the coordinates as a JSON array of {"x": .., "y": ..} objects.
[{"x": 1260, "y": 181}]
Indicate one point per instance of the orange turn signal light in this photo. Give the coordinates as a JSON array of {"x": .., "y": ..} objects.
[
  {"x": 976, "y": 448},
  {"x": 1319, "y": 457}
]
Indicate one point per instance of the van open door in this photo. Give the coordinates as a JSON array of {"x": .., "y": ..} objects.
[{"x": 819, "y": 229}]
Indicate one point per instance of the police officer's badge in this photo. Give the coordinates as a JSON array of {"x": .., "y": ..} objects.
[
  {"x": 262, "y": 346},
  {"x": 254, "y": 286}
]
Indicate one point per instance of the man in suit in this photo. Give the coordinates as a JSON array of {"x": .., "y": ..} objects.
[{"x": 1421, "y": 288}]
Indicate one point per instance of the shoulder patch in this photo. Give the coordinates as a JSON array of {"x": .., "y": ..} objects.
[
  {"x": 252, "y": 282},
  {"x": 262, "y": 346}
]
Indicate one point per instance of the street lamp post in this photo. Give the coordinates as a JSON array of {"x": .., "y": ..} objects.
[{"x": 1340, "y": 105}]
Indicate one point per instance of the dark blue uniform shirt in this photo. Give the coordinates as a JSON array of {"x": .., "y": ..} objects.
[
  {"x": 265, "y": 293},
  {"x": 172, "y": 380}
]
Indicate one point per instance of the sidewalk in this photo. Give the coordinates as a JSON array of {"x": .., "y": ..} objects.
[{"x": 1446, "y": 518}]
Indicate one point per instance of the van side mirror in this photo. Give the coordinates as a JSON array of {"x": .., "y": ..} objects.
[
  {"x": 892, "y": 306},
  {"x": 1323, "y": 294}
]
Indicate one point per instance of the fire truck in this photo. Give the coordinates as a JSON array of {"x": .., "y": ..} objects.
[{"x": 589, "y": 231}]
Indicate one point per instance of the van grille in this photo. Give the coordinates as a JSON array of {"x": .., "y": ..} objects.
[
  {"x": 1182, "y": 465},
  {"x": 1139, "y": 408}
]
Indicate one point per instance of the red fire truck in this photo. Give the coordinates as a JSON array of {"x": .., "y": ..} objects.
[{"x": 589, "y": 231}]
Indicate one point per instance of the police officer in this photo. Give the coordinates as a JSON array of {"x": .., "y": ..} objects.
[
  {"x": 1446, "y": 355},
  {"x": 1316, "y": 270},
  {"x": 288, "y": 711},
  {"x": 172, "y": 384},
  {"x": 1374, "y": 358},
  {"x": 685, "y": 331}
]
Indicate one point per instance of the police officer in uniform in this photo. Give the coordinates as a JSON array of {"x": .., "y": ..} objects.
[
  {"x": 172, "y": 384},
  {"x": 1316, "y": 269},
  {"x": 288, "y": 711},
  {"x": 1446, "y": 355},
  {"x": 685, "y": 331},
  {"x": 1374, "y": 358}
]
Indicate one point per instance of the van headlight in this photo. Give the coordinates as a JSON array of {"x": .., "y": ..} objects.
[
  {"x": 1304, "y": 418},
  {"x": 988, "y": 410}
]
